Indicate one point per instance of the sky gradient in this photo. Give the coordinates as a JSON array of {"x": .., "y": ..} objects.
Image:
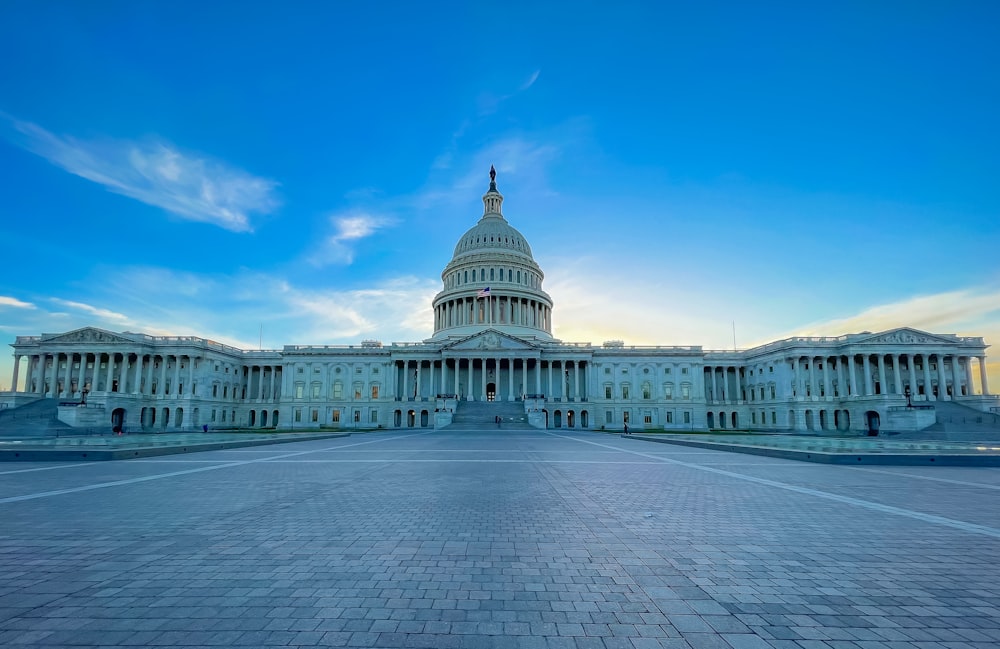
[{"x": 264, "y": 176}]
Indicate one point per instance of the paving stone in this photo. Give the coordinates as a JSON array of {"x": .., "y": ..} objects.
[{"x": 499, "y": 539}]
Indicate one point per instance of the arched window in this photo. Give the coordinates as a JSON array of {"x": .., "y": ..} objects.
[
  {"x": 646, "y": 390},
  {"x": 338, "y": 389},
  {"x": 668, "y": 390},
  {"x": 491, "y": 275}
]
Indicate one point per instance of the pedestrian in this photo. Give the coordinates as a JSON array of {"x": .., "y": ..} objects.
[
  {"x": 204, "y": 428},
  {"x": 626, "y": 428}
]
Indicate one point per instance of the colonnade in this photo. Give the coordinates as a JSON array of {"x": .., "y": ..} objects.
[
  {"x": 863, "y": 375},
  {"x": 723, "y": 383},
  {"x": 67, "y": 374},
  {"x": 497, "y": 309},
  {"x": 511, "y": 378}
]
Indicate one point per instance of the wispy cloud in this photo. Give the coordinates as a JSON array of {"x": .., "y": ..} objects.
[
  {"x": 157, "y": 173},
  {"x": 15, "y": 303},
  {"x": 490, "y": 102},
  {"x": 105, "y": 315},
  {"x": 938, "y": 312},
  {"x": 347, "y": 228}
]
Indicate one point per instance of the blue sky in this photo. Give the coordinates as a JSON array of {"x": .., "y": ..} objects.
[{"x": 218, "y": 169}]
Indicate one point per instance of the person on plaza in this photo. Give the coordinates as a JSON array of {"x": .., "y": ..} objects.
[
  {"x": 204, "y": 428},
  {"x": 626, "y": 428}
]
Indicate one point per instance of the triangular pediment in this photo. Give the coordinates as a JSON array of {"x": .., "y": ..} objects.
[
  {"x": 490, "y": 340},
  {"x": 86, "y": 335},
  {"x": 906, "y": 336}
]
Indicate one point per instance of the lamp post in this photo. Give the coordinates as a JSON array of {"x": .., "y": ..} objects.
[{"x": 907, "y": 392}]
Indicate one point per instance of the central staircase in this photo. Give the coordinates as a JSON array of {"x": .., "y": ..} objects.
[{"x": 481, "y": 415}]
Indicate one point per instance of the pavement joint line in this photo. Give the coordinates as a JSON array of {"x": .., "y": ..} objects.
[
  {"x": 888, "y": 509},
  {"x": 927, "y": 477},
  {"x": 48, "y": 468},
  {"x": 222, "y": 465}
]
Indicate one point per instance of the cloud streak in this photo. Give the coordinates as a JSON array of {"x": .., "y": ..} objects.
[
  {"x": 15, "y": 303},
  {"x": 347, "y": 228},
  {"x": 953, "y": 309},
  {"x": 191, "y": 186}
]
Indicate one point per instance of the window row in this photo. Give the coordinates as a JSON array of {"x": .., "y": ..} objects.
[
  {"x": 483, "y": 275},
  {"x": 337, "y": 390},
  {"x": 647, "y": 391}
]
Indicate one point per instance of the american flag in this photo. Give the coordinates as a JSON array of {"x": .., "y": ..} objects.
[{"x": 484, "y": 292}]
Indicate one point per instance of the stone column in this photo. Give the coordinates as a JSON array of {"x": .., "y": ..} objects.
[
  {"x": 538, "y": 375},
  {"x": 715, "y": 387},
  {"x": 177, "y": 375},
  {"x": 956, "y": 374},
  {"x": 852, "y": 369},
  {"x": 458, "y": 367},
  {"x": 149, "y": 375},
  {"x": 982, "y": 375},
  {"x": 867, "y": 366},
  {"x": 29, "y": 374},
  {"x": 161, "y": 384},
  {"x": 82, "y": 380},
  {"x": 812, "y": 392},
  {"x": 576, "y": 380},
  {"x": 928, "y": 388},
  {"x": 111, "y": 371},
  {"x": 482, "y": 393},
  {"x": 17, "y": 363},
  {"x": 881, "y": 372},
  {"x": 41, "y": 374},
  {"x": 406, "y": 380},
  {"x": 548, "y": 375},
  {"x": 510, "y": 379},
  {"x": 841, "y": 378},
  {"x": 827, "y": 392},
  {"x": 942, "y": 381},
  {"x": 968, "y": 376},
  {"x": 68, "y": 384}
]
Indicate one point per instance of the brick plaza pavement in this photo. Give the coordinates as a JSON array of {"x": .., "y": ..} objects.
[{"x": 497, "y": 539}]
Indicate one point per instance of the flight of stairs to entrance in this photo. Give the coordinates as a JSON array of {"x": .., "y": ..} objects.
[
  {"x": 480, "y": 415},
  {"x": 36, "y": 419},
  {"x": 957, "y": 422}
]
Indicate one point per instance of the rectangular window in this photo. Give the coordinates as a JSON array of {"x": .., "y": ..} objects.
[
  {"x": 338, "y": 390},
  {"x": 668, "y": 391},
  {"x": 213, "y": 414},
  {"x": 299, "y": 390},
  {"x": 647, "y": 418},
  {"x": 223, "y": 415},
  {"x": 774, "y": 417},
  {"x": 607, "y": 391},
  {"x": 315, "y": 390},
  {"x": 298, "y": 414},
  {"x": 685, "y": 391},
  {"x": 374, "y": 392},
  {"x": 357, "y": 390},
  {"x": 687, "y": 417},
  {"x": 670, "y": 417},
  {"x": 357, "y": 416},
  {"x": 667, "y": 371},
  {"x": 608, "y": 416},
  {"x": 373, "y": 416},
  {"x": 624, "y": 392},
  {"x": 684, "y": 370},
  {"x": 336, "y": 415}
]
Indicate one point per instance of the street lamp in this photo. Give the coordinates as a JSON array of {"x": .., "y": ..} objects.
[{"x": 907, "y": 392}]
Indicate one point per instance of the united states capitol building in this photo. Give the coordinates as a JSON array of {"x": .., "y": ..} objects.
[{"x": 492, "y": 354}]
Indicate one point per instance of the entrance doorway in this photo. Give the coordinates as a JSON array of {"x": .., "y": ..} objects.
[
  {"x": 491, "y": 391},
  {"x": 873, "y": 422}
]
